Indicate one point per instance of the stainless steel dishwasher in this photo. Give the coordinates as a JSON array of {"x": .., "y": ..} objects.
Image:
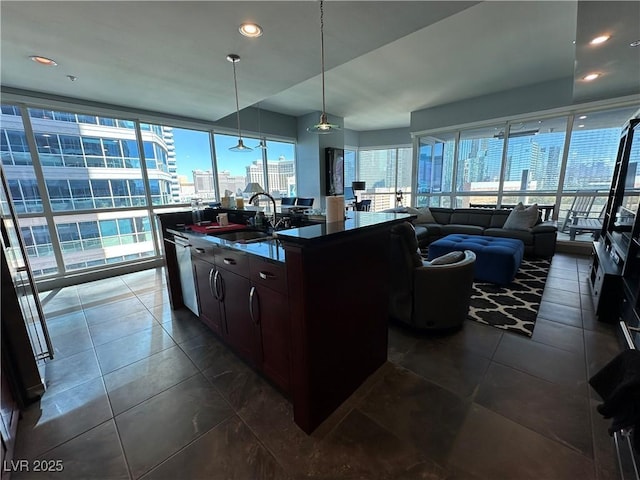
[{"x": 183, "y": 254}]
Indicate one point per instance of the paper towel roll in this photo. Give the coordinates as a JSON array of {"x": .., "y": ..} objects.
[{"x": 335, "y": 208}]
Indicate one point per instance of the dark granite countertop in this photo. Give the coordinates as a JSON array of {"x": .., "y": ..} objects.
[
  {"x": 268, "y": 248},
  {"x": 273, "y": 249},
  {"x": 356, "y": 221}
]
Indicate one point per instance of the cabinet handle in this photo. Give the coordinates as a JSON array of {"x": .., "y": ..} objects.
[
  {"x": 266, "y": 275},
  {"x": 212, "y": 282},
  {"x": 215, "y": 285},
  {"x": 220, "y": 284},
  {"x": 200, "y": 250},
  {"x": 229, "y": 261},
  {"x": 252, "y": 295}
]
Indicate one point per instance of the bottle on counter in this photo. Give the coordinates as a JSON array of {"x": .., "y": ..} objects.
[
  {"x": 260, "y": 220},
  {"x": 196, "y": 211}
]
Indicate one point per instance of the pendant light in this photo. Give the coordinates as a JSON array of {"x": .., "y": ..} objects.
[
  {"x": 263, "y": 143},
  {"x": 240, "y": 147},
  {"x": 323, "y": 126}
]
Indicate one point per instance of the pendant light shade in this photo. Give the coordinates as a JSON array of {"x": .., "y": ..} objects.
[
  {"x": 323, "y": 126},
  {"x": 263, "y": 142},
  {"x": 240, "y": 147}
]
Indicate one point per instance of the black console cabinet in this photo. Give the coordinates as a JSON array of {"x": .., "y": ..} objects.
[
  {"x": 615, "y": 272},
  {"x": 605, "y": 280}
]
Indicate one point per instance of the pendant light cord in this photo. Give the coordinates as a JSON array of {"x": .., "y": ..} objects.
[
  {"x": 322, "y": 49},
  {"x": 235, "y": 84}
]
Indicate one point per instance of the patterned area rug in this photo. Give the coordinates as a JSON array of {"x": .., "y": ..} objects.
[{"x": 513, "y": 307}]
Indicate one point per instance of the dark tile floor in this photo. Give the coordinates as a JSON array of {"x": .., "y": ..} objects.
[{"x": 139, "y": 391}]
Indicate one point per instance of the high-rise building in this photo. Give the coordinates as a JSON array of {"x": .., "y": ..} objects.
[
  {"x": 91, "y": 167},
  {"x": 281, "y": 175},
  {"x": 203, "y": 183}
]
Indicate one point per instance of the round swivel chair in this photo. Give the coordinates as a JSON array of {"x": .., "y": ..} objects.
[{"x": 425, "y": 295}]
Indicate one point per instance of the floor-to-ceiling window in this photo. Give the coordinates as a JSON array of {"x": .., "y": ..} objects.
[
  {"x": 435, "y": 170},
  {"x": 385, "y": 172},
  {"x": 272, "y": 168},
  {"x": 86, "y": 187},
  {"x": 533, "y": 159},
  {"x": 477, "y": 174},
  {"x": 546, "y": 160}
]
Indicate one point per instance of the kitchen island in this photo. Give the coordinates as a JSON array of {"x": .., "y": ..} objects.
[{"x": 307, "y": 308}]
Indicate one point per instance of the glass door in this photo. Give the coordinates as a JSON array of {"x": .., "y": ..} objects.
[{"x": 21, "y": 276}]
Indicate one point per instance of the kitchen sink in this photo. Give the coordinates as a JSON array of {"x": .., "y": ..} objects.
[{"x": 244, "y": 236}]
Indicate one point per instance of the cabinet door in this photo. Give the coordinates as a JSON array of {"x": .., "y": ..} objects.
[
  {"x": 242, "y": 333},
  {"x": 211, "y": 312},
  {"x": 270, "y": 309}
]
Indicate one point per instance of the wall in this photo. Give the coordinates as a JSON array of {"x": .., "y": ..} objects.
[
  {"x": 385, "y": 138},
  {"x": 271, "y": 123},
  {"x": 253, "y": 122},
  {"x": 310, "y": 161},
  {"x": 351, "y": 138},
  {"x": 518, "y": 101}
]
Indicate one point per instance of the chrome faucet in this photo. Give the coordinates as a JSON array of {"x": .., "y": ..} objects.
[{"x": 273, "y": 201}]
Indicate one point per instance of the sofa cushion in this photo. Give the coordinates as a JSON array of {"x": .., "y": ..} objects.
[
  {"x": 524, "y": 235},
  {"x": 499, "y": 217},
  {"x": 448, "y": 258},
  {"x": 471, "y": 216},
  {"x": 423, "y": 213},
  {"x": 457, "y": 228},
  {"x": 441, "y": 214},
  {"x": 433, "y": 229},
  {"x": 522, "y": 218},
  {"x": 422, "y": 233}
]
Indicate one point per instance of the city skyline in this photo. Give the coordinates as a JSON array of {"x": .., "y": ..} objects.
[{"x": 193, "y": 152}]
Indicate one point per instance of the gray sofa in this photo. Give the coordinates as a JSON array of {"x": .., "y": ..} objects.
[{"x": 539, "y": 241}]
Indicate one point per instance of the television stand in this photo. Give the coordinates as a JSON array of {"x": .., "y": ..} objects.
[{"x": 605, "y": 281}]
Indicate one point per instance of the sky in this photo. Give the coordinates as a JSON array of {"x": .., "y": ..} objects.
[{"x": 194, "y": 153}]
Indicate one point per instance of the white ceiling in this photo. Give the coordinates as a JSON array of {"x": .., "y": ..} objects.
[{"x": 383, "y": 59}]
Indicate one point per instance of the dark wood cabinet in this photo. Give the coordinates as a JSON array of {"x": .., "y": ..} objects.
[
  {"x": 209, "y": 306},
  {"x": 606, "y": 284},
  {"x": 615, "y": 271},
  {"x": 308, "y": 309},
  {"x": 269, "y": 304},
  {"x": 243, "y": 334},
  {"x": 225, "y": 296}
]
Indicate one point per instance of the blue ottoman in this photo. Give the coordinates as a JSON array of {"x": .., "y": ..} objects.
[{"x": 497, "y": 259}]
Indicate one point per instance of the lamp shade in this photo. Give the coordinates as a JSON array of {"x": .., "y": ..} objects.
[
  {"x": 358, "y": 186},
  {"x": 253, "y": 187}
]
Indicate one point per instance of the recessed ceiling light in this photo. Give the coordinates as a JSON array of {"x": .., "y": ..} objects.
[
  {"x": 582, "y": 117},
  {"x": 635, "y": 44},
  {"x": 600, "y": 39},
  {"x": 43, "y": 60},
  {"x": 591, "y": 76},
  {"x": 581, "y": 126},
  {"x": 251, "y": 30}
]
